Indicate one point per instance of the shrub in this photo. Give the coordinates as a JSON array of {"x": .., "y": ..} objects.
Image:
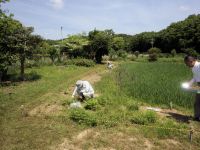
[
  {"x": 132, "y": 106},
  {"x": 153, "y": 57},
  {"x": 82, "y": 117},
  {"x": 122, "y": 54},
  {"x": 136, "y": 53},
  {"x": 105, "y": 58},
  {"x": 191, "y": 51},
  {"x": 103, "y": 101},
  {"x": 80, "y": 62},
  {"x": 132, "y": 57},
  {"x": 144, "y": 118},
  {"x": 111, "y": 119},
  {"x": 112, "y": 55},
  {"x": 91, "y": 104},
  {"x": 173, "y": 53},
  {"x": 153, "y": 54},
  {"x": 33, "y": 75},
  {"x": 53, "y": 53}
]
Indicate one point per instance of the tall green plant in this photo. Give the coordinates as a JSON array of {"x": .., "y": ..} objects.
[{"x": 153, "y": 53}]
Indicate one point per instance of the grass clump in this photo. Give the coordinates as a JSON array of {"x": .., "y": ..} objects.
[
  {"x": 108, "y": 120},
  {"x": 132, "y": 106},
  {"x": 166, "y": 128},
  {"x": 82, "y": 117},
  {"x": 91, "y": 104},
  {"x": 144, "y": 118}
]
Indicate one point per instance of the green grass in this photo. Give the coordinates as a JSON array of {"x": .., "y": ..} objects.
[
  {"x": 156, "y": 83},
  {"x": 21, "y": 131},
  {"x": 117, "y": 110}
]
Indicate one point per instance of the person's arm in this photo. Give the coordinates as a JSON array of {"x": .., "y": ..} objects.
[
  {"x": 75, "y": 91},
  {"x": 191, "y": 81}
]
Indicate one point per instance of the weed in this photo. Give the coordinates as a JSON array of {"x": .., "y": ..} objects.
[
  {"x": 144, "y": 118},
  {"x": 132, "y": 106},
  {"x": 82, "y": 117},
  {"x": 91, "y": 104}
]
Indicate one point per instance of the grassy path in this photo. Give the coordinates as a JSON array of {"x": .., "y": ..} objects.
[{"x": 33, "y": 115}]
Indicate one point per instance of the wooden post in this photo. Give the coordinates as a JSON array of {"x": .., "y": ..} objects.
[
  {"x": 191, "y": 134},
  {"x": 171, "y": 105}
]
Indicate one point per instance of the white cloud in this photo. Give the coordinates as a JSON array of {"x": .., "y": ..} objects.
[
  {"x": 57, "y": 4},
  {"x": 184, "y": 8}
]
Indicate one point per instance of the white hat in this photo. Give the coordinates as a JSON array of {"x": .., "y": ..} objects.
[{"x": 79, "y": 83}]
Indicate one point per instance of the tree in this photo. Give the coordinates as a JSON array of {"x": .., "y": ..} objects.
[
  {"x": 53, "y": 53},
  {"x": 75, "y": 45},
  {"x": 24, "y": 43},
  {"x": 142, "y": 41},
  {"x": 8, "y": 26},
  {"x": 112, "y": 54},
  {"x": 118, "y": 43},
  {"x": 16, "y": 42},
  {"x": 100, "y": 43},
  {"x": 191, "y": 52}
]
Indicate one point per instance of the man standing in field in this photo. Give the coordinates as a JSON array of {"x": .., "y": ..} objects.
[
  {"x": 83, "y": 90},
  {"x": 195, "y": 66}
]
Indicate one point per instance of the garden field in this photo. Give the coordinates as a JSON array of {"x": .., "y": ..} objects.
[
  {"x": 36, "y": 114},
  {"x": 156, "y": 83}
]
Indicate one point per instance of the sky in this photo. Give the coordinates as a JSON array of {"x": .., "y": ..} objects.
[{"x": 78, "y": 16}]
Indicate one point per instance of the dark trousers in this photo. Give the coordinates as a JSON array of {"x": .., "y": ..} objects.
[{"x": 197, "y": 106}]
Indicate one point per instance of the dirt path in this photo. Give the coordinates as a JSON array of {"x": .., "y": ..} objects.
[{"x": 92, "y": 77}]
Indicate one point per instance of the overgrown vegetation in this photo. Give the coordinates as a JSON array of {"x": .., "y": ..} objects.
[
  {"x": 82, "y": 117},
  {"x": 80, "y": 62},
  {"x": 144, "y": 118}
]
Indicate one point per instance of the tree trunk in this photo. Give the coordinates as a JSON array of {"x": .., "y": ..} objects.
[
  {"x": 22, "y": 62},
  {"x": 3, "y": 74}
]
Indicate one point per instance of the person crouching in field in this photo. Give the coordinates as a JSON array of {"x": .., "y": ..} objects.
[
  {"x": 109, "y": 65},
  {"x": 195, "y": 66},
  {"x": 83, "y": 90}
]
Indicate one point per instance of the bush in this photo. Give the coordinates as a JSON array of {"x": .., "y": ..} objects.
[
  {"x": 153, "y": 57},
  {"x": 91, "y": 104},
  {"x": 153, "y": 54},
  {"x": 82, "y": 117},
  {"x": 32, "y": 76},
  {"x": 173, "y": 53},
  {"x": 191, "y": 52},
  {"x": 105, "y": 58},
  {"x": 103, "y": 101},
  {"x": 132, "y": 106},
  {"x": 136, "y": 53},
  {"x": 113, "y": 55},
  {"x": 80, "y": 62},
  {"x": 144, "y": 118},
  {"x": 122, "y": 54},
  {"x": 132, "y": 57}
]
